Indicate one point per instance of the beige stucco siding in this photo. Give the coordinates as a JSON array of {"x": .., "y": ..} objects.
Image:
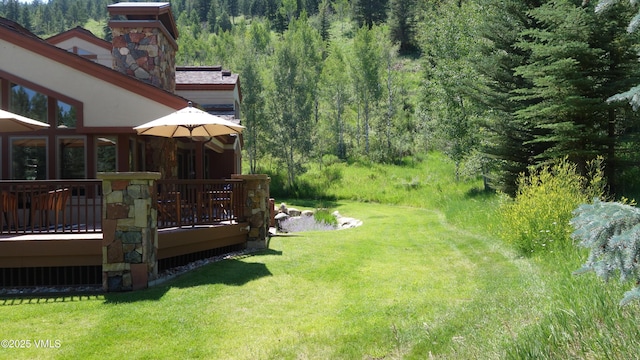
[
  {"x": 105, "y": 104},
  {"x": 104, "y": 55}
]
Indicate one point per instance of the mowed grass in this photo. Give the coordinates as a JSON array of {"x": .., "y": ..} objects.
[
  {"x": 405, "y": 284},
  {"x": 422, "y": 278}
]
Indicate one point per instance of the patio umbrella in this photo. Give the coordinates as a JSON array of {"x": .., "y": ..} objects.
[
  {"x": 10, "y": 122},
  {"x": 189, "y": 122}
]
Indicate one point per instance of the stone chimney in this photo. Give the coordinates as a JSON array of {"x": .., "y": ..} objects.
[{"x": 144, "y": 42}]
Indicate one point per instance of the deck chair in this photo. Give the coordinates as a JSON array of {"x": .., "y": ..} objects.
[
  {"x": 9, "y": 205},
  {"x": 169, "y": 209},
  {"x": 49, "y": 203}
]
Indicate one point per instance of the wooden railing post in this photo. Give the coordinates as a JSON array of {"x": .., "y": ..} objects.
[
  {"x": 130, "y": 230},
  {"x": 256, "y": 208}
]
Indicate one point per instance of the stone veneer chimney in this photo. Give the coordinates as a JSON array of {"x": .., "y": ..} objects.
[{"x": 144, "y": 42}]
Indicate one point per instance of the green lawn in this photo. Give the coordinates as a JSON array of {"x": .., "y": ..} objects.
[
  {"x": 422, "y": 278},
  {"x": 405, "y": 284}
]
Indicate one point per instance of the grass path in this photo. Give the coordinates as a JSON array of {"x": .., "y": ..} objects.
[{"x": 406, "y": 284}]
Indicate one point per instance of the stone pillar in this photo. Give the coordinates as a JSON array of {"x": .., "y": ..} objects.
[
  {"x": 129, "y": 230},
  {"x": 256, "y": 208}
]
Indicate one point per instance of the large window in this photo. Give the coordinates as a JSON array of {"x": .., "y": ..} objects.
[
  {"x": 29, "y": 152},
  {"x": 65, "y": 115},
  {"x": 71, "y": 158},
  {"x": 29, "y": 158},
  {"x": 106, "y": 153},
  {"x": 28, "y": 102}
]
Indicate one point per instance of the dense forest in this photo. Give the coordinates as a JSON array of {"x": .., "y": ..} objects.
[{"x": 497, "y": 85}]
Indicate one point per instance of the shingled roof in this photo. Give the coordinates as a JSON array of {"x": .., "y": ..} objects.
[{"x": 205, "y": 75}]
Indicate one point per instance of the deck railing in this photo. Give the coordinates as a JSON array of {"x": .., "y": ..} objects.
[
  {"x": 75, "y": 206},
  {"x": 184, "y": 203},
  {"x": 50, "y": 206}
]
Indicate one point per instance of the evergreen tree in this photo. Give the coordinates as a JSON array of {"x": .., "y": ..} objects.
[
  {"x": 212, "y": 17},
  {"x": 325, "y": 22},
  {"x": 632, "y": 95},
  {"x": 224, "y": 22},
  {"x": 403, "y": 19},
  {"x": 578, "y": 61},
  {"x": 25, "y": 18},
  {"x": 203, "y": 7},
  {"x": 611, "y": 231},
  {"x": 12, "y": 11},
  {"x": 369, "y": 12},
  {"x": 508, "y": 138}
]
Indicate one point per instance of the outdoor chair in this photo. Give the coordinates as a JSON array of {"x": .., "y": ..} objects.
[
  {"x": 216, "y": 204},
  {"x": 169, "y": 209},
  {"x": 48, "y": 203},
  {"x": 9, "y": 203}
]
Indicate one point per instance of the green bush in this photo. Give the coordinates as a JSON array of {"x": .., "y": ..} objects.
[
  {"x": 324, "y": 216},
  {"x": 537, "y": 219}
]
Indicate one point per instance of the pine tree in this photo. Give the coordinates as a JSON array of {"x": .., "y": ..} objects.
[
  {"x": 611, "y": 231},
  {"x": 212, "y": 17},
  {"x": 578, "y": 61},
  {"x": 224, "y": 22},
  {"x": 325, "y": 22},
  {"x": 508, "y": 138},
  {"x": 403, "y": 22},
  {"x": 369, "y": 12},
  {"x": 632, "y": 95},
  {"x": 203, "y": 7}
]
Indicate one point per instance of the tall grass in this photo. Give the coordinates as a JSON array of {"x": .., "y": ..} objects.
[
  {"x": 584, "y": 320},
  {"x": 426, "y": 181}
]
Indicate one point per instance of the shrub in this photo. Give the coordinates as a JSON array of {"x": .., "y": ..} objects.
[
  {"x": 324, "y": 216},
  {"x": 537, "y": 219}
]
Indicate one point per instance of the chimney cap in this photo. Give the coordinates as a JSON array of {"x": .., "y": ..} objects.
[{"x": 146, "y": 11}]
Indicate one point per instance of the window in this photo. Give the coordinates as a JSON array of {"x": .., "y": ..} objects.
[
  {"x": 57, "y": 150},
  {"x": 71, "y": 158},
  {"x": 106, "y": 153},
  {"x": 29, "y": 158},
  {"x": 65, "y": 115},
  {"x": 27, "y": 102}
]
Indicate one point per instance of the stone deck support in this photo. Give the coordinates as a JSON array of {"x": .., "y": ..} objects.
[
  {"x": 130, "y": 232},
  {"x": 256, "y": 208}
]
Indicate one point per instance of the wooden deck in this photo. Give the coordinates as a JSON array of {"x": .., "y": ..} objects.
[
  {"x": 48, "y": 250},
  {"x": 37, "y": 244}
]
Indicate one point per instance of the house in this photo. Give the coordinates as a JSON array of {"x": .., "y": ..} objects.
[
  {"x": 57, "y": 217},
  {"x": 93, "y": 92}
]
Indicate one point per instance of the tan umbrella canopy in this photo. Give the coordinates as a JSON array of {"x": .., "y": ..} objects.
[
  {"x": 10, "y": 122},
  {"x": 189, "y": 122}
]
